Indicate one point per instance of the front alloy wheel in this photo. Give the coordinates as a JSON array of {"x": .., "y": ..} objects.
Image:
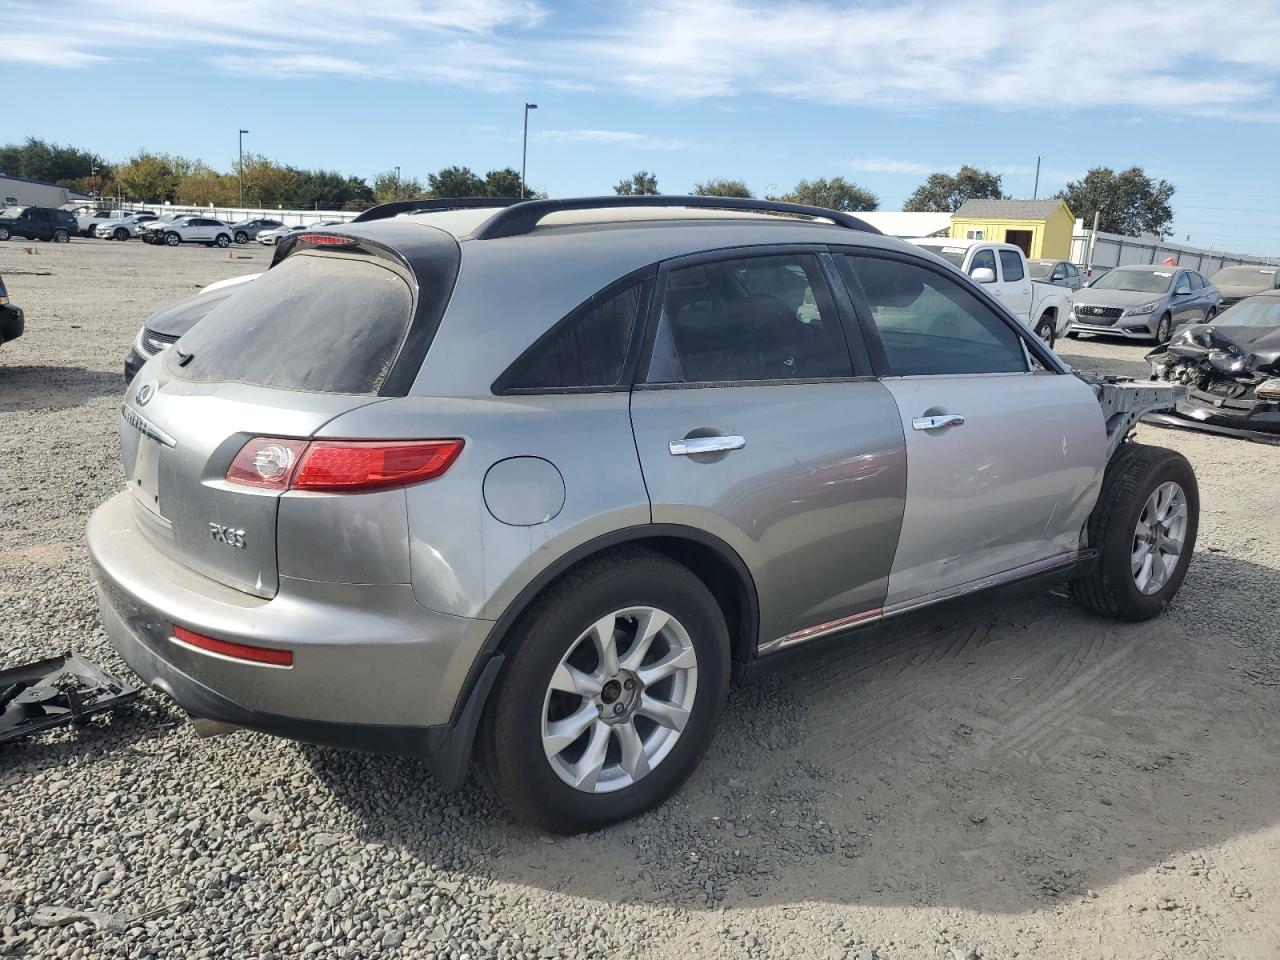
[
  {"x": 172, "y": 239},
  {"x": 223, "y": 240},
  {"x": 1158, "y": 537},
  {"x": 619, "y": 699},
  {"x": 1164, "y": 329}
]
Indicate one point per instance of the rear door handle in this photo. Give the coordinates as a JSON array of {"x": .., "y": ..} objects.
[
  {"x": 691, "y": 445},
  {"x": 938, "y": 422}
]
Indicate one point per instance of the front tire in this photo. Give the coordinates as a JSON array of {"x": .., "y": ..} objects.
[
  {"x": 4, "y": 234},
  {"x": 120, "y": 233},
  {"x": 172, "y": 239},
  {"x": 1164, "y": 329},
  {"x": 223, "y": 240},
  {"x": 611, "y": 696},
  {"x": 1144, "y": 527}
]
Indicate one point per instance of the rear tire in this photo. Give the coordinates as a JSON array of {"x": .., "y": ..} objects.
[
  {"x": 517, "y": 747},
  {"x": 1124, "y": 522},
  {"x": 241, "y": 237},
  {"x": 1047, "y": 329}
]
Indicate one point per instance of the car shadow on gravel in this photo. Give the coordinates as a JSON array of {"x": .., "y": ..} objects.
[
  {"x": 26, "y": 389},
  {"x": 1131, "y": 365},
  {"x": 1014, "y": 757}
]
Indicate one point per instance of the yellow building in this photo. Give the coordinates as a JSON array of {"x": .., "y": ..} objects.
[{"x": 1042, "y": 228}]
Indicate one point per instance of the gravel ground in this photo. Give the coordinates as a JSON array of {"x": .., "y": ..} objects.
[{"x": 1027, "y": 781}]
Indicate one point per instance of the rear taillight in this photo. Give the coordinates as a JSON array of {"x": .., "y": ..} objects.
[
  {"x": 326, "y": 240},
  {"x": 340, "y": 466}
]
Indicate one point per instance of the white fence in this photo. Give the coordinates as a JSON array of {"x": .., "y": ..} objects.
[
  {"x": 235, "y": 214},
  {"x": 1112, "y": 250}
]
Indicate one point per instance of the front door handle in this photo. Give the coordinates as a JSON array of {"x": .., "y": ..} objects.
[
  {"x": 692, "y": 445},
  {"x": 938, "y": 422}
]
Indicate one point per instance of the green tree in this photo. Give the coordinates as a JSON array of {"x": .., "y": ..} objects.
[
  {"x": 148, "y": 177},
  {"x": 722, "y": 188},
  {"x": 503, "y": 183},
  {"x": 945, "y": 193},
  {"x": 1129, "y": 202},
  {"x": 266, "y": 183},
  {"x": 199, "y": 185},
  {"x": 639, "y": 184},
  {"x": 834, "y": 194},
  {"x": 388, "y": 187},
  {"x": 326, "y": 190},
  {"x": 40, "y": 160},
  {"x": 454, "y": 182}
]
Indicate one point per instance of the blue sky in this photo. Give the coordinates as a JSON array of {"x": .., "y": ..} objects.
[{"x": 882, "y": 93}]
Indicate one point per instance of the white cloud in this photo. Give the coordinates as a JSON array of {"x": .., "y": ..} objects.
[
  {"x": 882, "y": 165},
  {"x": 625, "y": 138},
  {"x": 914, "y": 56}
]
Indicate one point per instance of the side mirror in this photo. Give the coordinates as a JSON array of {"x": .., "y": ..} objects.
[
  {"x": 983, "y": 275},
  {"x": 1182, "y": 291}
]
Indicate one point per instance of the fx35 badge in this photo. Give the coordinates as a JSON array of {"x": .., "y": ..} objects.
[{"x": 228, "y": 535}]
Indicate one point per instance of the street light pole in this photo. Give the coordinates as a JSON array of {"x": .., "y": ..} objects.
[
  {"x": 240, "y": 170},
  {"x": 524, "y": 150},
  {"x": 397, "y": 183}
]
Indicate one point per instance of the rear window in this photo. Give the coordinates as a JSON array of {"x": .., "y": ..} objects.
[{"x": 323, "y": 323}]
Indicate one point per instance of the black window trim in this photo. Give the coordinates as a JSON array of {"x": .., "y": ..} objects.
[
  {"x": 644, "y": 277},
  {"x": 720, "y": 254},
  {"x": 1033, "y": 345}
]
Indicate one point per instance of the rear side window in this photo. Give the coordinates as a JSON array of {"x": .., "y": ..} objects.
[
  {"x": 586, "y": 350},
  {"x": 930, "y": 325},
  {"x": 1011, "y": 264},
  {"x": 322, "y": 323},
  {"x": 758, "y": 318}
]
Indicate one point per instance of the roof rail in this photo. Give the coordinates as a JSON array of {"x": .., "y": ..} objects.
[
  {"x": 521, "y": 217},
  {"x": 395, "y": 207}
]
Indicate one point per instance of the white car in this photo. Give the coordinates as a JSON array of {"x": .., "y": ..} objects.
[
  {"x": 123, "y": 228},
  {"x": 88, "y": 220},
  {"x": 1003, "y": 270},
  {"x": 206, "y": 230}
]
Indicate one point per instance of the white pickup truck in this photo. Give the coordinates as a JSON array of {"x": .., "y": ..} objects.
[{"x": 1002, "y": 269}]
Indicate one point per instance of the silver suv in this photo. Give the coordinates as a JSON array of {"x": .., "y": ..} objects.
[{"x": 540, "y": 481}]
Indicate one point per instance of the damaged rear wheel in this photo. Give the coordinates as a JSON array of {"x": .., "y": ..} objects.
[{"x": 1144, "y": 527}]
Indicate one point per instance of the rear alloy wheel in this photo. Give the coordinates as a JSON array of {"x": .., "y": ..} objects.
[
  {"x": 223, "y": 240},
  {"x": 120, "y": 233},
  {"x": 1144, "y": 527},
  {"x": 172, "y": 239},
  {"x": 61, "y": 236},
  {"x": 1047, "y": 329},
  {"x": 611, "y": 696},
  {"x": 241, "y": 237},
  {"x": 1164, "y": 329}
]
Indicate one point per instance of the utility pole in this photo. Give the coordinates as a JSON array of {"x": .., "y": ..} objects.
[
  {"x": 240, "y": 169},
  {"x": 1035, "y": 194},
  {"x": 93, "y": 171},
  {"x": 397, "y": 183},
  {"x": 1093, "y": 243},
  {"x": 524, "y": 151}
]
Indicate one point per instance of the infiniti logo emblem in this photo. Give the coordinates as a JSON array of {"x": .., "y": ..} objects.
[{"x": 144, "y": 394}]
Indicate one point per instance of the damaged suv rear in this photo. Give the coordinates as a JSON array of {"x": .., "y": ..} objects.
[{"x": 1231, "y": 369}]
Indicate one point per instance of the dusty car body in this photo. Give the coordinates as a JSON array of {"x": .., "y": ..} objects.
[
  {"x": 1236, "y": 283},
  {"x": 543, "y": 478},
  {"x": 163, "y": 328},
  {"x": 1231, "y": 369},
  {"x": 1146, "y": 302}
]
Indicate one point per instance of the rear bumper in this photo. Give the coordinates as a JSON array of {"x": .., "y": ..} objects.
[
  {"x": 371, "y": 669},
  {"x": 12, "y": 323}
]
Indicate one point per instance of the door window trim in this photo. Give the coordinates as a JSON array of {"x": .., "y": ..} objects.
[
  {"x": 1032, "y": 344},
  {"x": 861, "y": 366}
]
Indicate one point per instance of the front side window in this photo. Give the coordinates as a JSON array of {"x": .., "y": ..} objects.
[
  {"x": 1011, "y": 266},
  {"x": 931, "y": 325},
  {"x": 984, "y": 259},
  {"x": 753, "y": 319},
  {"x": 587, "y": 349}
]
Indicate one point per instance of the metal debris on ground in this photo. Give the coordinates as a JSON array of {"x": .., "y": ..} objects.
[{"x": 60, "y": 690}]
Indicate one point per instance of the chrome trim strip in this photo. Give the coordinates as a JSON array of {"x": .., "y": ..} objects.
[
  {"x": 983, "y": 583},
  {"x": 820, "y": 630},
  {"x": 144, "y": 426},
  {"x": 1063, "y": 560}
]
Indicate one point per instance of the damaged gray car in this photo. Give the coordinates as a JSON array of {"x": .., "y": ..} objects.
[{"x": 1231, "y": 369}]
